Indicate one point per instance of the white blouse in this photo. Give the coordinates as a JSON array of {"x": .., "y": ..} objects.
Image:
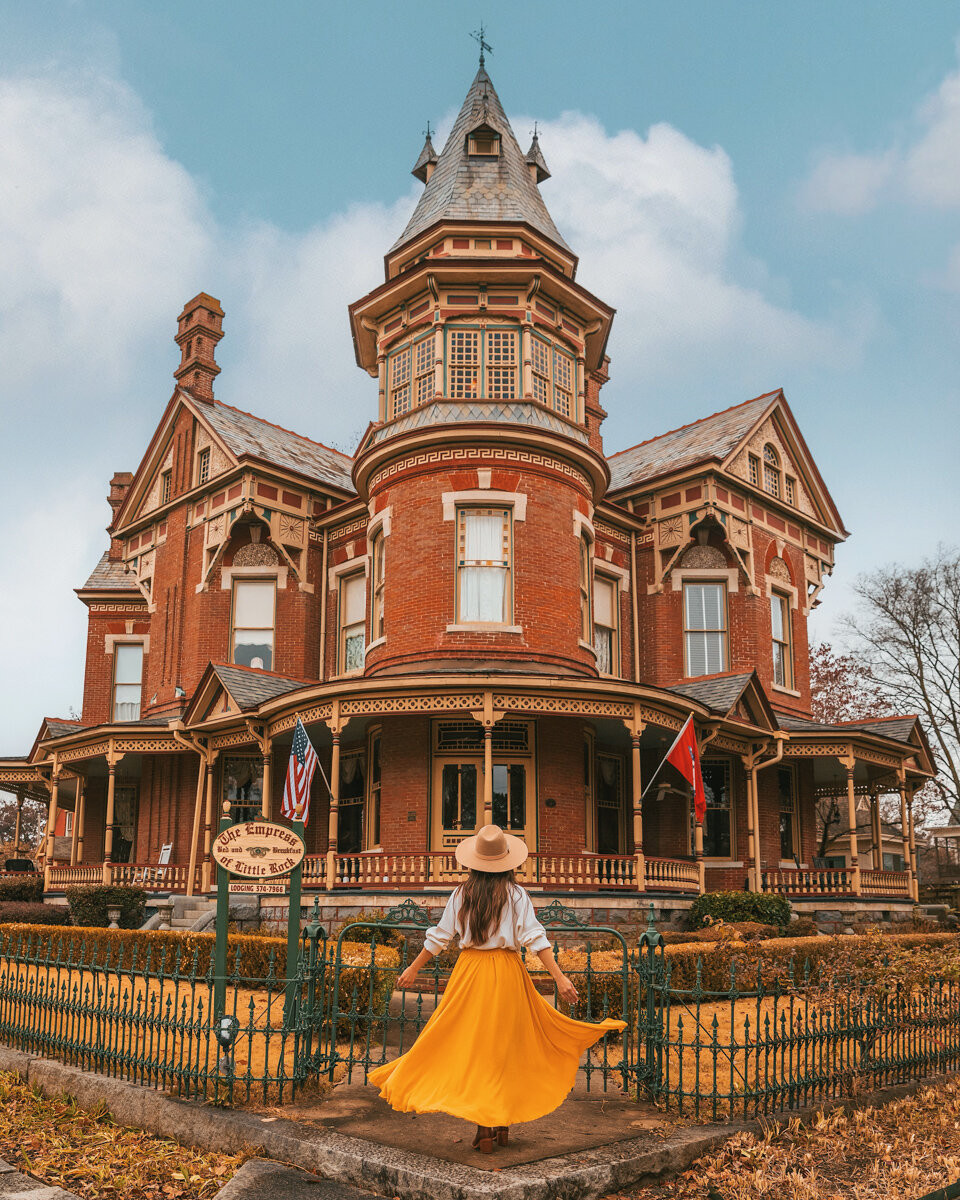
[{"x": 518, "y": 926}]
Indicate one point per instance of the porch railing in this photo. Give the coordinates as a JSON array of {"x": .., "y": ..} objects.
[
  {"x": 169, "y": 878},
  {"x": 61, "y": 877},
  {"x": 819, "y": 881},
  {"x": 885, "y": 883},
  {"x": 572, "y": 872}
]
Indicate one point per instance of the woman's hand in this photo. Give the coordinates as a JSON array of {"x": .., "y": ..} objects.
[
  {"x": 406, "y": 979},
  {"x": 566, "y": 990}
]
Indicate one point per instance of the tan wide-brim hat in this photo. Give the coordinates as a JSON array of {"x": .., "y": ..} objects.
[{"x": 491, "y": 850}]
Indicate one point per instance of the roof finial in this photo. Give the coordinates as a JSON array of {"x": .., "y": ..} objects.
[
  {"x": 478, "y": 37},
  {"x": 534, "y": 131},
  {"x": 428, "y": 132}
]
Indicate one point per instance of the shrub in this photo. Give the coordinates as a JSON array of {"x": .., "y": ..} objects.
[
  {"x": 14, "y": 912},
  {"x": 803, "y": 927},
  {"x": 605, "y": 982},
  {"x": 740, "y": 906},
  {"x": 89, "y": 905},
  {"x": 364, "y": 933},
  {"x": 21, "y": 887}
]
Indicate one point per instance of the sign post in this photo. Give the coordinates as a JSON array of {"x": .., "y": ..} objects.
[{"x": 223, "y": 918}]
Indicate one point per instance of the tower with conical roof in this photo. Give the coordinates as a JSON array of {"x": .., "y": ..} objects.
[{"x": 489, "y": 358}]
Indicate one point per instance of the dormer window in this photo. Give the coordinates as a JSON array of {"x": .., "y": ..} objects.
[
  {"x": 771, "y": 471},
  {"x": 484, "y": 142}
]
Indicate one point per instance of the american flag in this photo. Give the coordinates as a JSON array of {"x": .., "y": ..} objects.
[{"x": 303, "y": 763}]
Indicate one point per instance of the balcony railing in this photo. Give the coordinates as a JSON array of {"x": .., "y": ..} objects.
[{"x": 885, "y": 883}]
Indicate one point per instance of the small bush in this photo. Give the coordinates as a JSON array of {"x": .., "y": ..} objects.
[
  {"x": 27, "y": 887},
  {"x": 15, "y": 912},
  {"x": 722, "y": 931},
  {"x": 89, "y": 905},
  {"x": 364, "y": 933},
  {"x": 740, "y": 906},
  {"x": 803, "y": 927}
]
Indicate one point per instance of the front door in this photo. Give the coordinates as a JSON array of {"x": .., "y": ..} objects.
[
  {"x": 459, "y": 786},
  {"x": 611, "y": 813}
]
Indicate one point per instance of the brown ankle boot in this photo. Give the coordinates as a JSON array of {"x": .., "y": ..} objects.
[
  {"x": 501, "y": 1133},
  {"x": 483, "y": 1141}
]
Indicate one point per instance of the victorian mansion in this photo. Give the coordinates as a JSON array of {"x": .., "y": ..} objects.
[{"x": 481, "y": 616}]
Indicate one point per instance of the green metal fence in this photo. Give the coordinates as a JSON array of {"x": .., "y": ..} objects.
[{"x": 785, "y": 1042}]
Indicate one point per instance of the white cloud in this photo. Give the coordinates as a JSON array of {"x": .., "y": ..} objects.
[
  {"x": 103, "y": 236},
  {"x": 921, "y": 169}
]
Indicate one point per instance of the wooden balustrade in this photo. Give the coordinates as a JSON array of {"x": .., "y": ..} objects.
[
  {"x": 66, "y": 876},
  {"x": 885, "y": 883},
  {"x": 816, "y": 881},
  {"x": 588, "y": 872},
  {"x": 671, "y": 874}
]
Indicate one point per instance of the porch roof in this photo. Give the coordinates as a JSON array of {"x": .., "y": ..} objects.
[
  {"x": 245, "y": 687},
  {"x": 723, "y": 693}
]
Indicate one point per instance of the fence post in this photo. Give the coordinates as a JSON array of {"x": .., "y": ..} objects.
[{"x": 650, "y": 941}]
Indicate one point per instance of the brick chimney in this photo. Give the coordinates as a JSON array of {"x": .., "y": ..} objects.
[
  {"x": 119, "y": 486},
  {"x": 198, "y": 331}
]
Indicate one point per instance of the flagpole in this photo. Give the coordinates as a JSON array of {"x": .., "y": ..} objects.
[{"x": 293, "y": 924}]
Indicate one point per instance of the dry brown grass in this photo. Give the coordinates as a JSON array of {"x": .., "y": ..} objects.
[
  {"x": 88, "y": 1154},
  {"x": 899, "y": 1151}
]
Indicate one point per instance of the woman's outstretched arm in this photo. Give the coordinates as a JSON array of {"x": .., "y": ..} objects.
[
  {"x": 406, "y": 978},
  {"x": 564, "y": 987}
]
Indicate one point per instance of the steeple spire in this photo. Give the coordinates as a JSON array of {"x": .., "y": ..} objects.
[
  {"x": 423, "y": 167},
  {"x": 481, "y": 173}
]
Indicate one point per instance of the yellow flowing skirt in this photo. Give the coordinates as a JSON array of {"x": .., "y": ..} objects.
[{"x": 494, "y": 1051}]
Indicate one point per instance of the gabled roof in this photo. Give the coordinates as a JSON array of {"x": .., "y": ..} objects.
[
  {"x": 897, "y": 728},
  {"x": 724, "y": 693},
  {"x": 494, "y": 188},
  {"x": 713, "y": 437},
  {"x": 246, "y": 688},
  {"x": 109, "y": 576},
  {"x": 243, "y": 433}
]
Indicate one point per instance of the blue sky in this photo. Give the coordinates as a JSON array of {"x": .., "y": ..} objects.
[{"x": 769, "y": 193}]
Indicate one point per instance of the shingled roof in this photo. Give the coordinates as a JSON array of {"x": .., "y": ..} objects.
[
  {"x": 719, "y": 693},
  {"x": 494, "y": 188},
  {"x": 250, "y": 687},
  {"x": 711, "y": 437},
  {"x": 898, "y": 729},
  {"x": 244, "y": 433},
  {"x": 109, "y": 575}
]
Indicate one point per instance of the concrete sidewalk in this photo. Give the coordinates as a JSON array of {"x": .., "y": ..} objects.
[
  {"x": 260, "y": 1179},
  {"x": 15, "y": 1185}
]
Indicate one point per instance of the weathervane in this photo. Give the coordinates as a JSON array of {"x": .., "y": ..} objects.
[
  {"x": 533, "y": 132},
  {"x": 428, "y": 131},
  {"x": 478, "y": 37}
]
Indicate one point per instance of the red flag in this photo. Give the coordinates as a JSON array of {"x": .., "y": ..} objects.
[{"x": 684, "y": 754}]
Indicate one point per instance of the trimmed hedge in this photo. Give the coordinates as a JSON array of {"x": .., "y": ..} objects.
[
  {"x": 89, "y": 905},
  {"x": 28, "y": 887},
  {"x": 14, "y": 912},
  {"x": 740, "y": 906},
  {"x": 825, "y": 954}
]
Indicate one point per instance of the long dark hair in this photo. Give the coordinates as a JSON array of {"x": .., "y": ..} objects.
[{"x": 483, "y": 898}]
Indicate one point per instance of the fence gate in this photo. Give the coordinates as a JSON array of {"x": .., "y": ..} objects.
[{"x": 370, "y": 1025}]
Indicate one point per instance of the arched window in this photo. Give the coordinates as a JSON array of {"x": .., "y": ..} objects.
[{"x": 771, "y": 470}]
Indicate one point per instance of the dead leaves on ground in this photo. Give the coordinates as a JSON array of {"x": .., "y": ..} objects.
[
  {"x": 899, "y": 1151},
  {"x": 87, "y": 1153}
]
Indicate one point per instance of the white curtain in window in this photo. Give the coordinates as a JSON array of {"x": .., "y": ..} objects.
[
  {"x": 483, "y": 588},
  {"x": 704, "y": 621}
]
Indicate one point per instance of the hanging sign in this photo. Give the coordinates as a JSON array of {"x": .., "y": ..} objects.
[{"x": 258, "y": 850}]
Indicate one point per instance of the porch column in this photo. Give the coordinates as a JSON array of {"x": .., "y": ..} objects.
[
  {"x": 913, "y": 849},
  {"x": 753, "y": 860},
  {"x": 206, "y": 871},
  {"x": 75, "y": 840},
  {"x": 488, "y": 774},
  {"x": 637, "y": 810},
  {"x": 905, "y": 830},
  {"x": 80, "y": 819},
  {"x": 876, "y": 838},
  {"x": 197, "y": 817},
  {"x": 698, "y": 853},
  {"x": 108, "y": 831},
  {"x": 333, "y": 831},
  {"x": 266, "y": 806},
  {"x": 849, "y": 763},
  {"x": 16, "y": 830},
  {"x": 51, "y": 825}
]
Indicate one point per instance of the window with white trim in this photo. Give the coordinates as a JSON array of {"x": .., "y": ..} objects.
[
  {"x": 501, "y": 352},
  {"x": 790, "y": 490},
  {"x": 483, "y": 364},
  {"x": 552, "y": 374},
  {"x": 753, "y": 469},
  {"x": 789, "y": 825},
  {"x": 423, "y": 360},
  {"x": 484, "y": 565},
  {"x": 127, "y": 680},
  {"x": 606, "y": 624},
  {"x": 400, "y": 382},
  {"x": 351, "y": 611},
  {"x": 376, "y": 590},
  {"x": 780, "y": 630},
  {"x": 254, "y": 617},
  {"x": 705, "y": 627},
  {"x": 586, "y": 623},
  {"x": 166, "y": 484},
  {"x": 203, "y": 466}
]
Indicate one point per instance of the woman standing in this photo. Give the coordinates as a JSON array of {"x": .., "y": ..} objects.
[{"x": 494, "y": 1051}]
